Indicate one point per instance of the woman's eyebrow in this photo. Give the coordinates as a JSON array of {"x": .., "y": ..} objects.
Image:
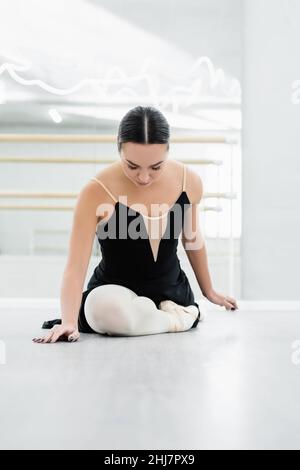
[{"x": 155, "y": 164}]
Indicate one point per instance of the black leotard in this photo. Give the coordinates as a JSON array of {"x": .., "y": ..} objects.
[{"x": 134, "y": 264}]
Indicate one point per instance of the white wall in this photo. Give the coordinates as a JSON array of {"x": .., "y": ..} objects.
[{"x": 271, "y": 146}]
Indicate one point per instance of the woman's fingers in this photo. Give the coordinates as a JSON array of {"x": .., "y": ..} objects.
[
  {"x": 57, "y": 333},
  {"x": 228, "y": 306},
  {"x": 74, "y": 336},
  {"x": 47, "y": 338},
  {"x": 43, "y": 339},
  {"x": 224, "y": 301},
  {"x": 56, "y": 337},
  {"x": 232, "y": 301}
]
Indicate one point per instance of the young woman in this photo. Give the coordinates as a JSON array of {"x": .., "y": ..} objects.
[{"x": 139, "y": 287}]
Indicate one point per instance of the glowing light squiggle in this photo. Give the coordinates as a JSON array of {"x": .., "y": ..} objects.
[{"x": 216, "y": 78}]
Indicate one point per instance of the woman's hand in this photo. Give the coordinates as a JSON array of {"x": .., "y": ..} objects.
[
  {"x": 60, "y": 333},
  {"x": 219, "y": 299}
]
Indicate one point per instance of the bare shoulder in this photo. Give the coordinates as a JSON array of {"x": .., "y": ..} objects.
[
  {"x": 95, "y": 194},
  {"x": 109, "y": 171},
  {"x": 194, "y": 185},
  {"x": 106, "y": 175}
]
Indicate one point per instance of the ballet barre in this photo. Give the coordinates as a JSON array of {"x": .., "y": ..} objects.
[
  {"x": 51, "y": 160},
  {"x": 28, "y": 207},
  {"x": 73, "y": 194},
  {"x": 90, "y": 138}
]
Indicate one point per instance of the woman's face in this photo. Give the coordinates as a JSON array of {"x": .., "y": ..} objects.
[{"x": 143, "y": 164}]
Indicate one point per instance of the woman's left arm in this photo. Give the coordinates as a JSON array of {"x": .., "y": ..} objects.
[{"x": 194, "y": 245}]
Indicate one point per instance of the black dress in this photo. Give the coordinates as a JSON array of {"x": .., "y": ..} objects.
[{"x": 128, "y": 258}]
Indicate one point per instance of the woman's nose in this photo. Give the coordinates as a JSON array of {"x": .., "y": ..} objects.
[{"x": 143, "y": 178}]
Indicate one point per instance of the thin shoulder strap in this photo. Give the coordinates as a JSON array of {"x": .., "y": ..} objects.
[
  {"x": 184, "y": 177},
  {"x": 106, "y": 189}
]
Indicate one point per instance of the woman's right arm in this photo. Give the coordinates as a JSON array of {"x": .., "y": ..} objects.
[
  {"x": 79, "y": 253},
  {"x": 70, "y": 298},
  {"x": 70, "y": 301}
]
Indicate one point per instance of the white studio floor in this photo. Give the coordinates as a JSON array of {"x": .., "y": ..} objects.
[{"x": 229, "y": 384}]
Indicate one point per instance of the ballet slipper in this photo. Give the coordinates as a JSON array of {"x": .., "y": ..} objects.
[{"x": 182, "y": 318}]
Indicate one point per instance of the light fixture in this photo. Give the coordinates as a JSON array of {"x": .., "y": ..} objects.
[{"x": 55, "y": 115}]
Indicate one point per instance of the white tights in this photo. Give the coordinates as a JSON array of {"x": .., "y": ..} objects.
[{"x": 118, "y": 311}]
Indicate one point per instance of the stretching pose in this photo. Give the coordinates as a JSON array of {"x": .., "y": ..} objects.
[{"x": 139, "y": 287}]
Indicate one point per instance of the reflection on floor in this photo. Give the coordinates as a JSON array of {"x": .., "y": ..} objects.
[{"x": 232, "y": 383}]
